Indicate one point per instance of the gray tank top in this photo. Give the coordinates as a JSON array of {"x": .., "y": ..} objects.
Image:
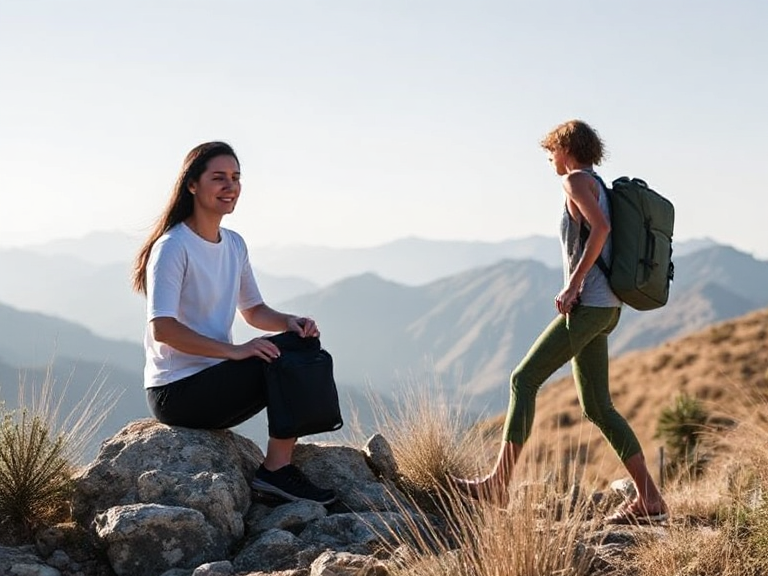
[{"x": 595, "y": 290}]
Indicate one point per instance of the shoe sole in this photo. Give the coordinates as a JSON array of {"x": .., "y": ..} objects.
[{"x": 268, "y": 489}]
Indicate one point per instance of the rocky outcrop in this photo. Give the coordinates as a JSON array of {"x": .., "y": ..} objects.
[
  {"x": 161, "y": 498},
  {"x": 165, "y": 501}
]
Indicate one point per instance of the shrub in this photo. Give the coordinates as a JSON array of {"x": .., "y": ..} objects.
[
  {"x": 38, "y": 455},
  {"x": 34, "y": 475},
  {"x": 681, "y": 426}
]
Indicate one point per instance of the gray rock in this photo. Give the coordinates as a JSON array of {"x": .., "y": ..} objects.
[
  {"x": 210, "y": 493},
  {"x": 59, "y": 559},
  {"x": 346, "y": 564},
  {"x": 33, "y": 570},
  {"x": 346, "y": 470},
  {"x": 352, "y": 531},
  {"x": 292, "y": 515},
  {"x": 380, "y": 457},
  {"x": 178, "y": 572},
  {"x": 149, "y": 539},
  {"x": 19, "y": 556},
  {"x": 274, "y": 550},
  {"x": 306, "y": 556},
  {"x": 149, "y": 462},
  {"x": 625, "y": 488},
  {"x": 223, "y": 568},
  {"x": 256, "y": 513},
  {"x": 173, "y": 472}
]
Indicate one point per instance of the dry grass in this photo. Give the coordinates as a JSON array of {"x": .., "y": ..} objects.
[
  {"x": 719, "y": 518},
  {"x": 34, "y": 476},
  {"x": 430, "y": 437},
  {"x": 722, "y": 519},
  {"x": 725, "y": 367},
  {"x": 39, "y": 452},
  {"x": 539, "y": 532}
]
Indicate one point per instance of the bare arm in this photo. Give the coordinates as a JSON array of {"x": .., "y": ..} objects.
[
  {"x": 265, "y": 318},
  {"x": 176, "y": 335},
  {"x": 579, "y": 190}
]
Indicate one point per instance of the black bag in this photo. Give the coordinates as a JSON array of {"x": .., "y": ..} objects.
[{"x": 301, "y": 392}]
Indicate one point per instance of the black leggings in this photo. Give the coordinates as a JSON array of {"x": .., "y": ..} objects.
[{"x": 221, "y": 396}]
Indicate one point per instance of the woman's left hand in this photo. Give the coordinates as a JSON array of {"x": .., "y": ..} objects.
[
  {"x": 304, "y": 327},
  {"x": 567, "y": 299}
]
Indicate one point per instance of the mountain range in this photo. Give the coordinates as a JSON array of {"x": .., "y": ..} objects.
[
  {"x": 86, "y": 280},
  {"x": 412, "y": 261},
  {"x": 77, "y": 317},
  {"x": 472, "y": 328}
]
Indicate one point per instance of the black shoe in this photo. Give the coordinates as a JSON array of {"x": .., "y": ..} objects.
[{"x": 291, "y": 484}]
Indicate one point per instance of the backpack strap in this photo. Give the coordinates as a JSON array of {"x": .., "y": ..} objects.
[
  {"x": 584, "y": 234},
  {"x": 584, "y": 228}
]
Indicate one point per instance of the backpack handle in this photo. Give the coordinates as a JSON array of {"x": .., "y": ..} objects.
[{"x": 626, "y": 179}]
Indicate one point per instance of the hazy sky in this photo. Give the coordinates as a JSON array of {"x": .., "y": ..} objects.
[{"x": 361, "y": 121}]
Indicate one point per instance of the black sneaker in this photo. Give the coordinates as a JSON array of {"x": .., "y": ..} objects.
[{"x": 291, "y": 484}]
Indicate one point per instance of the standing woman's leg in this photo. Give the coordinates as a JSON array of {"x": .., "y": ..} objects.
[
  {"x": 550, "y": 351},
  {"x": 590, "y": 372}
]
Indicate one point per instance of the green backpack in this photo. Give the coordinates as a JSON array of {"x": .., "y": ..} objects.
[{"x": 642, "y": 222}]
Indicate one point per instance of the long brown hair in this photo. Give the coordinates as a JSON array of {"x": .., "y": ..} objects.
[{"x": 180, "y": 206}]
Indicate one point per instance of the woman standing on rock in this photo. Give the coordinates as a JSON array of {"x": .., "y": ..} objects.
[
  {"x": 588, "y": 311},
  {"x": 195, "y": 275}
]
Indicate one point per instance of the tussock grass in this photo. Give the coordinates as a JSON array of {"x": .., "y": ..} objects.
[
  {"x": 39, "y": 451},
  {"x": 538, "y": 532},
  {"x": 719, "y": 517},
  {"x": 722, "y": 518},
  {"x": 528, "y": 538},
  {"x": 430, "y": 436}
]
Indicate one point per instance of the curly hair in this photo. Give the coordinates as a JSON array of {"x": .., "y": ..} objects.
[{"x": 578, "y": 139}]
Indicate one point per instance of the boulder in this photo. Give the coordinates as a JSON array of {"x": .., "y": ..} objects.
[
  {"x": 148, "y": 462},
  {"x": 347, "y": 471},
  {"x": 148, "y": 539},
  {"x": 169, "y": 500}
]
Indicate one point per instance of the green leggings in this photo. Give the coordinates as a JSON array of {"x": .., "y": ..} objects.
[{"x": 581, "y": 337}]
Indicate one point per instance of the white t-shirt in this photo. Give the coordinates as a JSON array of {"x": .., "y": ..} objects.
[{"x": 200, "y": 284}]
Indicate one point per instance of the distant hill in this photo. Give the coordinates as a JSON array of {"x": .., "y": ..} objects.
[
  {"x": 416, "y": 261},
  {"x": 97, "y": 248},
  {"x": 710, "y": 285},
  {"x": 472, "y": 328},
  {"x": 31, "y": 339},
  {"x": 87, "y": 280},
  {"x": 411, "y": 261},
  {"x": 35, "y": 349},
  {"x": 98, "y": 296},
  {"x": 724, "y": 365}
]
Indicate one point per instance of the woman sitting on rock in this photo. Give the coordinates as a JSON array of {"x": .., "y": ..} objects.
[{"x": 195, "y": 275}]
